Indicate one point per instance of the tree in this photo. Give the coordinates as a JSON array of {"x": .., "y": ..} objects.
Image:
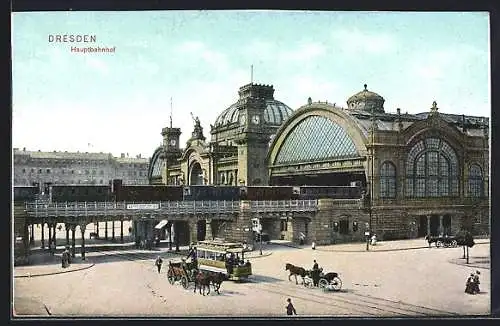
[{"x": 464, "y": 238}]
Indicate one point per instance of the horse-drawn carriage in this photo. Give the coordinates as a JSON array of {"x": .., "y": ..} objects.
[
  {"x": 328, "y": 282},
  {"x": 442, "y": 241},
  {"x": 182, "y": 271}
]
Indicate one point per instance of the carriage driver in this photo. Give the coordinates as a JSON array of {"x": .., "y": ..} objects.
[
  {"x": 192, "y": 254},
  {"x": 229, "y": 262}
]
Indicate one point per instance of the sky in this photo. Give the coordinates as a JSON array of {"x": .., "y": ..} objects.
[{"x": 195, "y": 61}]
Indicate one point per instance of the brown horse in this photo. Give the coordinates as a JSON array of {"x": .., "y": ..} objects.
[
  {"x": 295, "y": 270},
  {"x": 202, "y": 281},
  {"x": 216, "y": 279}
]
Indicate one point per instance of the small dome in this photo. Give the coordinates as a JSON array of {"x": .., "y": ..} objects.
[
  {"x": 366, "y": 101},
  {"x": 275, "y": 114}
]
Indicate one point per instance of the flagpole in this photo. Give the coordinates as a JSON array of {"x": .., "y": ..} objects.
[{"x": 170, "y": 112}]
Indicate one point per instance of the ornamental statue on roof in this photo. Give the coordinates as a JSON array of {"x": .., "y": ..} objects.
[{"x": 198, "y": 129}]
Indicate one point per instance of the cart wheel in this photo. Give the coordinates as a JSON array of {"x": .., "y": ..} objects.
[
  {"x": 184, "y": 282},
  {"x": 454, "y": 243},
  {"x": 336, "y": 283},
  {"x": 323, "y": 283},
  {"x": 171, "y": 277},
  {"x": 439, "y": 243}
]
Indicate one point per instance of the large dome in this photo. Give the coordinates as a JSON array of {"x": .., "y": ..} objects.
[
  {"x": 275, "y": 113},
  {"x": 366, "y": 101}
]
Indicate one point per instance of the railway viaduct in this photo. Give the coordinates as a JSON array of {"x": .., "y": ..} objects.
[{"x": 191, "y": 220}]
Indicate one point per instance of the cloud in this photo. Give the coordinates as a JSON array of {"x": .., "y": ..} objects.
[
  {"x": 304, "y": 52},
  {"x": 197, "y": 49},
  {"x": 354, "y": 40},
  {"x": 440, "y": 64},
  {"x": 295, "y": 90},
  {"x": 97, "y": 64}
]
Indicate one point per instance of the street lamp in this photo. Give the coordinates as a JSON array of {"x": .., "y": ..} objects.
[
  {"x": 260, "y": 235},
  {"x": 367, "y": 235}
]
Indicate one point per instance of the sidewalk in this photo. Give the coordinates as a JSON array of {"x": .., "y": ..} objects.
[
  {"x": 25, "y": 307},
  {"x": 43, "y": 264},
  {"x": 381, "y": 246}
]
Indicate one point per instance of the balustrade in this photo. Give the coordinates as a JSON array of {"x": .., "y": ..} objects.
[{"x": 83, "y": 209}]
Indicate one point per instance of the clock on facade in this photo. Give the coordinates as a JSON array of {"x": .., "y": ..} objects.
[
  {"x": 256, "y": 119},
  {"x": 172, "y": 142}
]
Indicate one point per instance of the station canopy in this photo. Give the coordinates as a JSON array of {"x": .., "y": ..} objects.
[{"x": 316, "y": 138}]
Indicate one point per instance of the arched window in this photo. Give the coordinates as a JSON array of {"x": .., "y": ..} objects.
[
  {"x": 475, "y": 181},
  {"x": 432, "y": 169},
  {"x": 388, "y": 180}
]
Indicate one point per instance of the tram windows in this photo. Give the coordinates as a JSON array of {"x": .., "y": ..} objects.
[{"x": 221, "y": 257}]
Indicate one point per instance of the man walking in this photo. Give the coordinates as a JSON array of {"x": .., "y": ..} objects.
[
  {"x": 52, "y": 247},
  {"x": 290, "y": 309},
  {"x": 158, "y": 263},
  {"x": 315, "y": 273}
]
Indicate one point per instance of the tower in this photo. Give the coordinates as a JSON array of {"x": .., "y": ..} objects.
[
  {"x": 171, "y": 150},
  {"x": 253, "y": 141}
]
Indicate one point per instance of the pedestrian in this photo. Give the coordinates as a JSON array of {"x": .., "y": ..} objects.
[
  {"x": 290, "y": 309},
  {"x": 52, "y": 248},
  {"x": 68, "y": 255},
  {"x": 158, "y": 263},
  {"x": 476, "y": 282},
  {"x": 313, "y": 245},
  {"x": 315, "y": 273},
  {"x": 64, "y": 260},
  {"x": 469, "y": 285}
]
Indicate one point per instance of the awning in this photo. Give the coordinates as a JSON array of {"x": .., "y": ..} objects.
[{"x": 161, "y": 225}]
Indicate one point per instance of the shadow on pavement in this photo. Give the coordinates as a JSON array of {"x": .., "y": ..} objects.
[
  {"x": 225, "y": 293},
  {"x": 104, "y": 257},
  {"x": 265, "y": 279}
]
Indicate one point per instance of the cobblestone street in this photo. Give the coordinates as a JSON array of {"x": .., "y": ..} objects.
[{"x": 404, "y": 279}]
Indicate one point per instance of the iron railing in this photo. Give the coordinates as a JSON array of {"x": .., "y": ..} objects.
[{"x": 81, "y": 209}]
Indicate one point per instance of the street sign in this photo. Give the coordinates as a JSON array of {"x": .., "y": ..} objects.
[
  {"x": 367, "y": 233},
  {"x": 143, "y": 206}
]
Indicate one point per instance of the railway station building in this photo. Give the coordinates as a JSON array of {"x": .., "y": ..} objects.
[{"x": 420, "y": 173}]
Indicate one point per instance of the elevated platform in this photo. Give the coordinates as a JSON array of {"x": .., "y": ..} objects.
[{"x": 169, "y": 209}]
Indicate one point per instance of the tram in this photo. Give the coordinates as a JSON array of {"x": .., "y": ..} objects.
[{"x": 224, "y": 257}]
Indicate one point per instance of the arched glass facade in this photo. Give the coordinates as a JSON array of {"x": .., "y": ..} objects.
[
  {"x": 388, "y": 180},
  {"x": 316, "y": 138},
  {"x": 432, "y": 169},
  {"x": 157, "y": 165},
  {"x": 475, "y": 181}
]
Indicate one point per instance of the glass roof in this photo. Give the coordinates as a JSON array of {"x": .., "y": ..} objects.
[
  {"x": 156, "y": 164},
  {"x": 276, "y": 112},
  {"x": 316, "y": 138}
]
